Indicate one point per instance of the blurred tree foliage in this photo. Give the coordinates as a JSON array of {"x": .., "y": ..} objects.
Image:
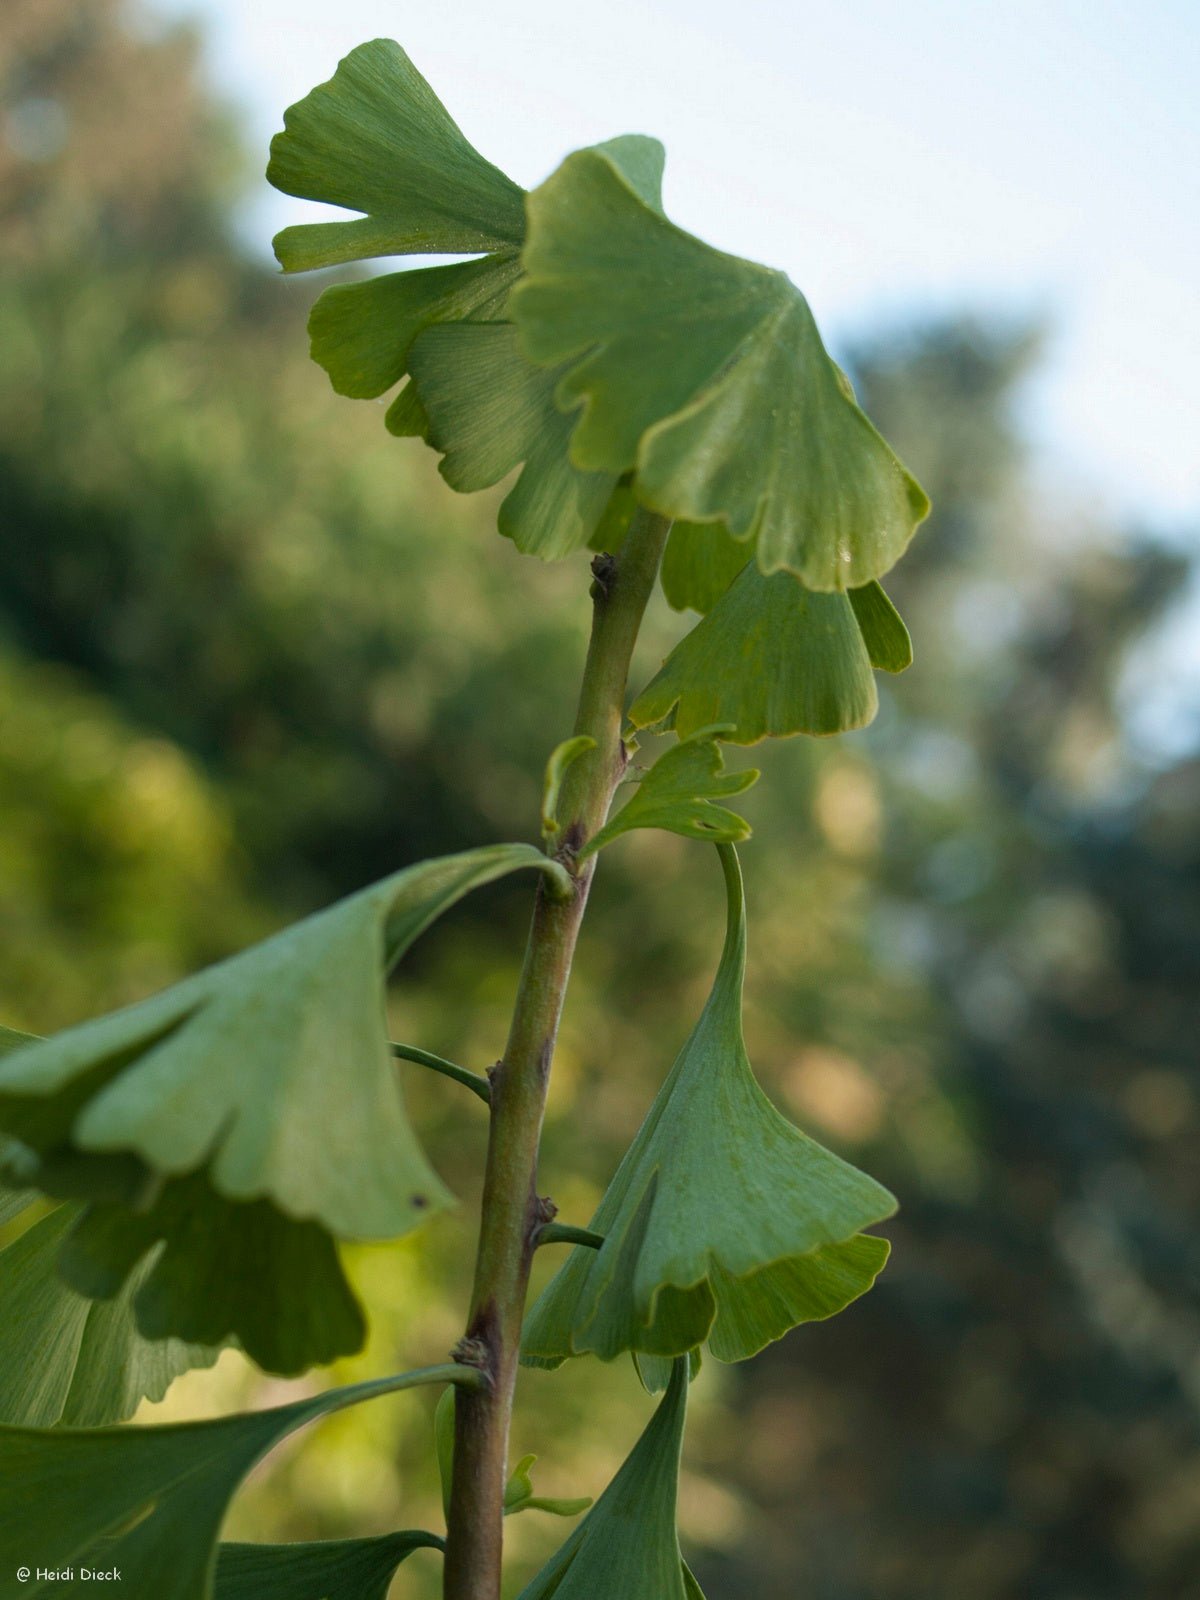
[{"x": 252, "y": 655}]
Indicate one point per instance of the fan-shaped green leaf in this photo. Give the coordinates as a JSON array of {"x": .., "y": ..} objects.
[
  {"x": 488, "y": 410},
  {"x": 678, "y": 792},
  {"x": 225, "y": 1269},
  {"x": 707, "y": 374},
  {"x": 376, "y": 139},
  {"x": 723, "y": 1221},
  {"x": 700, "y": 562},
  {"x": 627, "y": 1545},
  {"x": 265, "y": 1088},
  {"x": 771, "y": 658},
  {"x": 147, "y": 1501},
  {"x": 334, "y": 1569},
  {"x": 66, "y": 1359},
  {"x": 362, "y": 332}
]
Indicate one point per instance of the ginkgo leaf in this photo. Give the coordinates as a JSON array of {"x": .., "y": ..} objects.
[
  {"x": 264, "y": 1092},
  {"x": 677, "y": 794},
  {"x": 376, "y": 139},
  {"x": 770, "y": 659},
  {"x": 332, "y": 1569},
  {"x": 67, "y": 1359},
  {"x": 707, "y": 375},
  {"x": 882, "y": 627},
  {"x": 627, "y": 1545},
  {"x": 518, "y": 1490},
  {"x": 362, "y": 333},
  {"x": 488, "y": 410},
  {"x": 699, "y": 564},
  {"x": 724, "y": 1222},
  {"x": 225, "y": 1270},
  {"x": 148, "y": 1501}
]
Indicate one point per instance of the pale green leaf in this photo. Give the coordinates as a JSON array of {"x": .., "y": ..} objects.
[
  {"x": 334, "y": 1569},
  {"x": 707, "y": 375},
  {"x": 67, "y": 1359},
  {"x": 519, "y": 1495},
  {"x": 627, "y": 1546},
  {"x": 562, "y": 758},
  {"x": 771, "y": 658},
  {"x": 376, "y": 139},
  {"x": 677, "y": 794},
  {"x": 724, "y": 1222},
  {"x": 264, "y": 1089},
  {"x": 148, "y": 1501},
  {"x": 488, "y": 411}
]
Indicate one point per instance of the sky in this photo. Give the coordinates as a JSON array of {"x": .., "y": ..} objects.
[{"x": 899, "y": 159}]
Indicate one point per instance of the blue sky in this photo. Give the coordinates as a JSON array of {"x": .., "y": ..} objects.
[{"x": 918, "y": 156}]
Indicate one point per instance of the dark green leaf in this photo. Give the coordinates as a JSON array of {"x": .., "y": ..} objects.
[
  {"x": 707, "y": 375},
  {"x": 723, "y": 1222},
  {"x": 66, "y": 1359},
  {"x": 147, "y": 1501},
  {"x": 677, "y": 794},
  {"x": 627, "y": 1546},
  {"x": 225, "y": 1270},
  {"x": 771, "y": 658},
  {"x": 376, "y": 139},
  {"x": 335, "y": 1569}
]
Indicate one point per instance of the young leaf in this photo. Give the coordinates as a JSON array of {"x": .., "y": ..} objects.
[
  {"x": 66, "y": 1359},
  {"x": 678, "y": 794},
  {"x": 376, "y": 139},
  {"x": 264, "y": 1087},
  {"x": 562, "y": 758},
  {"x": 707, "y": 375},
  {"x": 771, "y": 658},
  {"x": 334, "y": 1569},
  {"x": 148, "y": 1501},
  {"x": 627, "y": 1545},
  {"x": 519, "y": 1495},
  {"x": 723, "y": 1222}
]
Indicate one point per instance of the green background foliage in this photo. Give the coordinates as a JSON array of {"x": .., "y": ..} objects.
[{"x": 253, "y": 656}]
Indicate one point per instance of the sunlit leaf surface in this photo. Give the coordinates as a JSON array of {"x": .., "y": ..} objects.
[
  {"x": 678, "y": 793},
  {"x": 724, "y": 1222},
  {"x": 705, "y": 374}
]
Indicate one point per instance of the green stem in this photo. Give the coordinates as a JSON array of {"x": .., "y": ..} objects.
[
  {"x": 564, "y": 1233},
  {"x": 449, "y": 1069},
  {"x": 511, "y": 1212}
]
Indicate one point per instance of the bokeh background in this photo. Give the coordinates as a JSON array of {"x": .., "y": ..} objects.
[{"x": 253, "y": 654}]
